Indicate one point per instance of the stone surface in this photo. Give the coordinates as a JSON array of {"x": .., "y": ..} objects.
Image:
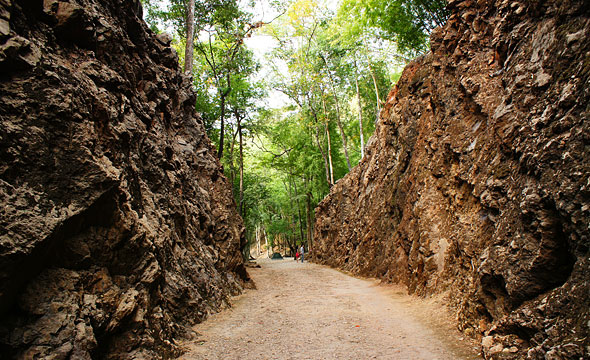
[
  {"x": 117, "y": 229},
  {"x": 476, "y": 182}
]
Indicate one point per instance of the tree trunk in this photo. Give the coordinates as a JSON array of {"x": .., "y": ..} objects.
[
  {"x": 326, "y": 166},
  {"x": 257, "y": 240},
  {"x": 190, "y": 34},
  {"x": 376, "y": 90},
  {"x": 222, "y": 129},
  {"x": 358, "y": 99},
  {"x": 317, "y": 138},
  {"x": 338, "y": 118},
  {"x": 308, "y": 214},
  {"x": 342, "y": 134},
  {"x": 298, "y": 211},
  {"x": 287, "y": 186},
  {"x": 241, "y": 204},
  {"x": 222, "y": 116},
  {"x": 266, "y": 241},
  {"x": 232, "y": 168},
  {"x": 326, "y": 125}
]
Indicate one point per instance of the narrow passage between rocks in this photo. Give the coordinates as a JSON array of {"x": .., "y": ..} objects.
[{"x": 308, "y": 311}]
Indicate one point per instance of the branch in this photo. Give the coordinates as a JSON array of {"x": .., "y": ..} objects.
[{"x": 262, "y": 148}]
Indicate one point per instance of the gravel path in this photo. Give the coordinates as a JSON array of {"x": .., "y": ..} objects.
[{"x": 308, "y": 311}]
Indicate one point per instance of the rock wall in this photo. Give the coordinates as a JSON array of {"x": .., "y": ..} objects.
[
  {"x": 476, "y": 182},
  {"x": 117, "y": 230}
]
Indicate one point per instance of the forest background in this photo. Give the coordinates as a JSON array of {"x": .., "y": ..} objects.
[{"x": 290, "y": 91}]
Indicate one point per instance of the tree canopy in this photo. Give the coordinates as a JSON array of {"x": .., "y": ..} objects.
[{"x": 333, "y": 65}]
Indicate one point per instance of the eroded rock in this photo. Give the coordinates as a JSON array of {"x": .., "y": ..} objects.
[
  {"x": 475, "y": 183},
  {"x": 106, "y": 229}
]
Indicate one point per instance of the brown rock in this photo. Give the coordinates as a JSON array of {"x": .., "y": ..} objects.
[
  {"x": 67, "y": 13},
  {"x": 4, "y": 27},
  {"x": 476, "y": 179},
  {"x": 118, "y": 230}
]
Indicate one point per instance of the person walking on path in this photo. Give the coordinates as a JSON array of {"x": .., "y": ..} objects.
[{"x": 301, "y": 252}]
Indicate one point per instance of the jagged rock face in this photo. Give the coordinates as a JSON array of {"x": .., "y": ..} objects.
[
  {"x": 118, "y": 229},
  {"x": 476, "y": 182}
]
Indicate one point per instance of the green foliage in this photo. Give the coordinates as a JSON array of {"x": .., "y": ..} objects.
[
  {"x": 212, "y": 81},
  {"x": 171, "y": 14},
  {"x": 335, "y": 69},
  {"x": 406, "y": 22}
]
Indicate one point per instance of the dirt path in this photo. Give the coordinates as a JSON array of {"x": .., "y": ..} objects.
[{"x": 307, "y": 311}]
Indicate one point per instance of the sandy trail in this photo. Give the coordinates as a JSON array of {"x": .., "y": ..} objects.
[{"x": 308, "y": 311}]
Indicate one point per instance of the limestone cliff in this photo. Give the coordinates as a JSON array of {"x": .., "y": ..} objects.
[
  {"x": 117, "y": 228},
  {"x": 476, "y": 182}
]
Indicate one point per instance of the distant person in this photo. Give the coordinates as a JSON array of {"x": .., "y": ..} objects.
[
  {"x": 301, "y": 252},
  {"x": 297, "y": 255}
]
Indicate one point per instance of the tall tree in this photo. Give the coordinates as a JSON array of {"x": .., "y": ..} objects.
[
  {"x": 360, "y": 110},
  {"x": 190, "y": 34},
  {"x": 338, "y": 112}
]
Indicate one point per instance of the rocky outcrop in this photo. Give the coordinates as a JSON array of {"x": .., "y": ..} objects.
[
  {"x": 117, "y": 230},
  {"x": 476, "y": 182}
]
